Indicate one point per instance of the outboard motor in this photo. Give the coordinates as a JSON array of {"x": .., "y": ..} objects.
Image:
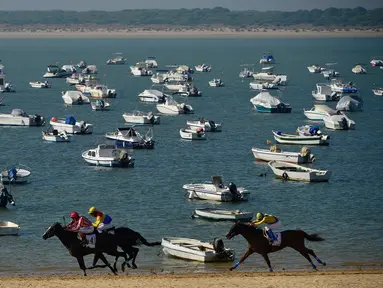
[
  {"x": 55, "y": 132},
  {"x": 234, "y": 191},
  {"x": 218, "y": 245},
  {"x": 12, "y": 174}
]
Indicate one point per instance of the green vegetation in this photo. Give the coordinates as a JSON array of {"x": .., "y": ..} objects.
[{"x": 331, "y": 17}]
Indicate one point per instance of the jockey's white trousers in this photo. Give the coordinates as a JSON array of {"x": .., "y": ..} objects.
[
  {"x": 86, "y": 230},
  {"x": 102, "y": 227}
]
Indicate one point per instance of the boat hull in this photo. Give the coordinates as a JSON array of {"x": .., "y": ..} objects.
[
  {"x": 141, "y": 119},
  {"x": 192, "y": 135},
  {"x": 22, "y": 176},
  {"x": 60, "y": 126},
  {"x": 9, "y": 228},
  {"x": 222, "y": 215},
  {"x": 281, "y": 109},
  {"x": 301, "y": 140},
  {"x": 291, "y": 157},
  {"x": 56, "y": 138},
  {"x": 310, "y": 175}
]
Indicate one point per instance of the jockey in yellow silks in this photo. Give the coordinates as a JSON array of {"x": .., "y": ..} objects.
[{"x": 269, "y": 221}]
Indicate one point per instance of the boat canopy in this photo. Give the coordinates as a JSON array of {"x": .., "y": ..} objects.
[
  {"x": 350, "y": 103},
  {"x": 70, "y": 120},
  {"x": 266, "y": 99},
  {"x": 19, "y": 112}
]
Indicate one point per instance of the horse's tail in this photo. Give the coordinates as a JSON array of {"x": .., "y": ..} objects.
[
  {"x": 313, "y": 237},
  {"x": 142, "y": 240}
]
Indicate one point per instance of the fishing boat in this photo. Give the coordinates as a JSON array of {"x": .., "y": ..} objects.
[
  {"x": 193, "y": 249},
  {"x": 108, "y": 156},
  {"x": 8, "y": 228},
  {"x": 221, "y": 214},
  {"x": 141, "y": 118},
  {"x": 283, "y": 138},
  {"x": 205, "y": 124},
  {"x": 16, "y": 174},
  {"x": 129, "y": 137},
  {"x": 52, "y": 135},
  {"x": 190, "y": 134},
  {"x": 71, "y": 126},
  {"x": 275, "y": 153},
  {"x": 294, "y": 172},
  {"x": 38, "y": 84},
  {"x": 19, "y": 118},
  {"x": 100, "y": 105}
]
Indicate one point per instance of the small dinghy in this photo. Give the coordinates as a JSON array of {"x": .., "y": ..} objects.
[
  {"x": 283, "y": 138},
  {"x": 275, "y": 153},
  {"x": 190, "y": 134},
  {"x": 193, "y": 249},
  {"x": 100, "y": 105},
  {"x": 38, "y": 84},
  {"x": 53, "y": 135},
  {"x": 8, "y": 228},
  {"x": 294, "y": 172},
  {"x": 220, "y": 214},
  {"x": 15, "y": 175},
  {"x": 378, "y": 91},
  {"x": 206, "y": 125}
]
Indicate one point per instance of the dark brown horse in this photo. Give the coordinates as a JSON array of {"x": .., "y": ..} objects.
[{"x": 259, "y": 244}]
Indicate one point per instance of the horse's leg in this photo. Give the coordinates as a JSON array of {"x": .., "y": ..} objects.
[
  {"x": 118, "y": 255},
  {"x": 103, "y": 259},
  {"x": 306, "y": 255},
  {"x": 128, "y": 251},
  {"x": 311, "y": 252},
  {"x": 135, "y": 252},
  {"x": 247, "y": 254},
  {"x": 266, "y": 257},
  {"x": 81, "y": 263}
]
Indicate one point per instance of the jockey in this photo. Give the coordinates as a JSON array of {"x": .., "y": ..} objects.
[
  {"x": 103, "y": 221},
  {"x": 269, "y": 221},
  {"x": 82, "y": 225}
]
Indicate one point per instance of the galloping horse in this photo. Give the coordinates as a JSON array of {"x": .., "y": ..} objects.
[
  {"x": 126, "y": 239},
  {"x": 105, "y": 243},
  {"x": 259, "y": 244},
  {"x": 5, "y": 198}
]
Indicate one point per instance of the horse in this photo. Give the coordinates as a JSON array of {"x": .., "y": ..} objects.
[
  {"x": 126, "y": 239},
  {"x": 104, "y": 244},
  {"x": 260, "y": 244},
  {"x": 6, "y": 197}
]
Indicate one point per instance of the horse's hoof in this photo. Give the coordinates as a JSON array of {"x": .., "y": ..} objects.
[
  {"x": 231, "y": 268},
  {"x": 324, "y": 263},
  {"x": 134, "y": 266}
]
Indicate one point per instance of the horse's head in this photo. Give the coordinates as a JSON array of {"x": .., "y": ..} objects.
[
  {"x": 235, "y": 230},
  {"x": 51, "y": 231}
]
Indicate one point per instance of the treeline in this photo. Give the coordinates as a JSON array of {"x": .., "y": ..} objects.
[{"x": 331, "y": 17}]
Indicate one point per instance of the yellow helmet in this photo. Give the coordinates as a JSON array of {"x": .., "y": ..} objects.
[
  {"x": 259, "y": 216},
  {"x": 92, "y": 210}
]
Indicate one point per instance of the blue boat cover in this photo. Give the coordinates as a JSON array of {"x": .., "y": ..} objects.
[
  {"x": 12, "y": 173},
  {"x": 70, "y": 120}
]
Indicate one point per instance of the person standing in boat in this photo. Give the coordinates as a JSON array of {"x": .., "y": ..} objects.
[
  {"x": 269, "y": 222},
  {"x": 103, "y": 220}
]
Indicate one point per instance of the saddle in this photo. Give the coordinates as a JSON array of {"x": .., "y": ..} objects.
[{"x": 278, "y": 237}]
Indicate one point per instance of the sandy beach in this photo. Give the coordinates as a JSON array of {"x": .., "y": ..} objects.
[{"x": 341, "y": 278}]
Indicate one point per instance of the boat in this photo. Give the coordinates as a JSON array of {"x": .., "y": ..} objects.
[
  {"x": 190, "y": 134},
  {"x": 216, "y": 83},
  {"x": 193, "y": 249},
  {"x": 175, "y": 87},
  {"x": 275, "y": 153},
  {"x": 283, "y": 138},
  {"x": 138, "y": 117},
  {"x": 151, "y": 62},
  {"x": 100, "y": 105},
  {"x": 328, "y": 74},
  {"x": 172, "y": 107},
  {"x": 267, "y": 75},
  {"x": 295, "y": 172},
  {"x": 152, "y": 96},
  {"x": 52, "y": 135},
  {"x": 264, "y": 102},
  {"x": 268, "y": 58},
  {"x": 75, "y": 79},
  {"x": 315, "y": 69},
  {"x": 15, "y": 174},
  {"x": 89, "y": 70},
  {"x": 376, "y": 62},
  {"x": 309, "y": 130},
  {"x": 338, "y": 121},
  {"x": 319, "y": 111},
  {"x": 54, "y": 71},
  {"x": 119, "y": 60},
  {"x": 39, "y": 84},
  {"x": 82, "y": 64},
  {"x": 71, "y": 126},
  {"x": 97, "y": 91},
  {"x": 140, "y": 71},
  {"x": 324, "y": 93},
  {"x": 129, "y": 137},
  {"x": 188, "y": 90},
  {"x": 108, "y": 156},
  {"x": 162, "y": 76},
  {"x": 74, "y": 98},
  {"x": 19, "y": 118},
  {"x": 8, "y": 228},
  {"x": 378, "y": 91},
  {"x": 340, "y": 87},
  {"x": 203, "y": 68},
  {"x": 205, "y": 124},
  {"x": 262, "y": 86},
  {"x": 350, "y": 103},
  {"x": 358, "y": 69},
  {"x": 221, "y": 214},
  {"x": 5, "y": 86},
  {"x": 216, "y": 190},
  {"x": 245, "y": 72}
]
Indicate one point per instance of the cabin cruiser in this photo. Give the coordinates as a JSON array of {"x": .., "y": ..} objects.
[
  {"x": 38, "y": 84},
  {"x": 325, "y": 93},
  {"x": 141, "y": 118},
  {"x": 71, "y": 126},
  {"x": 130, "y": 138},
  {"x": 315, "y": 69},
  {"x": 108, "y": 156},
  {"x": 268, "y": 58},
  {"x": 172, "y": 107},
  {"x": 74, "y": 98},
  {"x": 19, "y": 118},
  {"x": 151, "y": 62},
  {"x": 140, "y": 71},
  {"x": 119, "y": 60},
  {"x": 358, "y": 69},
  {"x": 152, "y": 96},
  {"x": 265, "y": 102},
  {"x": 216, "y": 83},
  {"x": 202, "y": 68},
  {"x": 340, "y": 87},
  {"x": 54, "y": 71}
]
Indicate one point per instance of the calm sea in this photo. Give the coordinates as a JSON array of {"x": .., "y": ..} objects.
[{"x": 149, "y": 198}]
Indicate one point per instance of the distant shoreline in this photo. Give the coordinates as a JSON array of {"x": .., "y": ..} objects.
[{"x": 189, "y": 33}]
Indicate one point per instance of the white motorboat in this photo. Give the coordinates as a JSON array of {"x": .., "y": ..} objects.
[
  {"x": 350, "y": 103},
  {"x": 268, "y": 58},
  {"x": 275, "y": 153},
  {"x": 262, "y": 86},
  {"x": 16, "y": 174},
  {"x": 190, "y": 134},
  {"x": 75, "y": 79},
  {"x": 71, "y": 126},
  {"x": 283, "y": 138},
  {"x": 324, "y": 92},
  {"x": 162, "y": 76},
  {"x": 203, "y": 68},
  {"x": 129, "y": 137},
  {"x": 216, "y": 190},
  {"x": 378, "y": 91},
  {"x": 358, "y": 69},
  {"x": 294, "y": 172},
  {"x": 109, "y": 156},
  {"x": 141, "y": 118},
  {"x": 89, "y": 70},
  {"x": 205, "y": 124},
  {"x": 54, "y": 71},
  {"x": 75, "y": 98},
  {"x": 319, "y": 111},
  {"x": 188, "y": 90},
  {"x": 376, "y": 62},
  {"x": 172, "y": 107},
  {"x": 82, "y": 64},
  {"x": 267, "y": 75},
  {"x": 39, "y": 84},
  {"x": 216, "y": 83},
  {"x": 8, "y": 228},
  {"x": 53, "y": 135},
  {"x": 264, "y": 102},
  {"x": 140, "y": 71},
  {"x": 246, "y": 73},
  {"x": 328, "y": 74},
  {"x": 176, "y": 86},
  {"x": 19, "y": 118},
  {"x": 338, "y": 121},
  {"x": 193, "y": 249},
  {"x": 315, "y": 69},
  {"x": 221, "y": 214},
  {"x": 97, "y": 91},
  {"x": 100, "y": 105},
  {"x": 152, "y": 96},
  {"x": 119, "y": 60},
  {"x": 340, "y": 87},
  {"x": 151, "y": 62}
]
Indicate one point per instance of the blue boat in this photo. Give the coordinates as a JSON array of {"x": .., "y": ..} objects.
[{"x": 267, "y": 59}]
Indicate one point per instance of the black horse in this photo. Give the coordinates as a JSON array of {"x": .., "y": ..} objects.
[
  {"x": 6, "y": 197},
  {"x": 126, "y": 239},
  {"x": 259, "y": 244},
  {"x": 105, "y": 243}
]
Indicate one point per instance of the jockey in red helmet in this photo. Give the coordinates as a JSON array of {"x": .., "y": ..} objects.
[{"x": 79, "y": 224}]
